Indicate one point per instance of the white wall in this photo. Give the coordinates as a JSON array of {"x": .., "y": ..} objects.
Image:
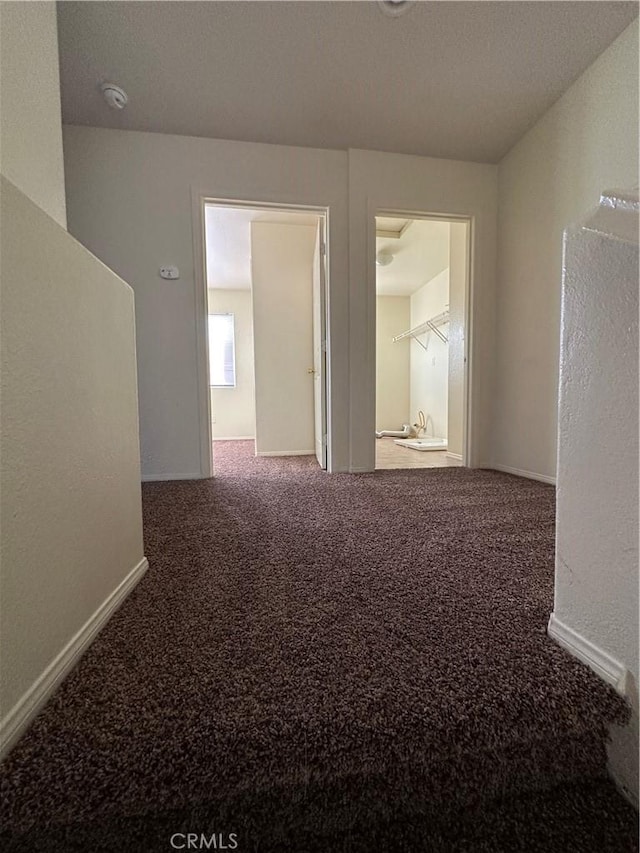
[
  {"x": 281, "y": 281},
  {"x": 70, "y": 499},
  {"x": 596, "y": 593},
  {"x": 71, "y": 543},
  {"x": 233, "y": 410},
  {"x": 430, "y": 367},
  {"x": 587, "y": 142},
  {"x": 458, "y": 238},
  {"x": 551, "y": 177},
  {"x": 391, "y": 182},
  {"x": 30, "y": 131},
  {"x": 129, "y": 201},
  {"x": 392, "y": 362}
]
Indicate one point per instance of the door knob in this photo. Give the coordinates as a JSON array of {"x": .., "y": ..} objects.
[{"x": 310, "y": 370}]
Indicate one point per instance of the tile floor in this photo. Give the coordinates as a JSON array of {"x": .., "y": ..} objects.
[{"x": 391, "y": 455}]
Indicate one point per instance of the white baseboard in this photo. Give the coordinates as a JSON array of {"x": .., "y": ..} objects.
[
  {"x": 608, "y": 668},
  {"x": 286, "y": 452},
  {"x": 530, "y": 475},
  {"x": 235, "y": 438},
  {"x": 20, "y": 716},
  {"x": 457, "y": 456},
  {"x": 163, "y": 478}
]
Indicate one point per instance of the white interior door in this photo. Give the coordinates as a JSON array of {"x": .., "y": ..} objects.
[
  {"x": 281, "y": 277},
  {"x": 319, "y": 347}
]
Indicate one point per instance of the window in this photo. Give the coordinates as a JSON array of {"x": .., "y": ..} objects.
[{"x": 222, "y": 355}]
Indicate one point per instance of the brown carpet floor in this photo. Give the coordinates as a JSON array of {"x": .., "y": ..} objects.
[{"x": 329, "y": 662}]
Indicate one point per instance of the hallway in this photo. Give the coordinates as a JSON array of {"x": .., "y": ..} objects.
[{"x": 328, "y": 662}]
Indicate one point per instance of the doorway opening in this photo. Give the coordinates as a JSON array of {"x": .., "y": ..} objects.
[
  {"x": 422, "y": 285},
  {"x": 265, "y": 287}
]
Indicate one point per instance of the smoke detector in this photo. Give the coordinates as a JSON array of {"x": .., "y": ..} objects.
[
  {"x": 115, "y": 96},
  {"x": 395, "y": 8}
]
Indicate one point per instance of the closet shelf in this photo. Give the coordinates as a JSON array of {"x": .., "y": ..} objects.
[{"x": 431, "y": 325}]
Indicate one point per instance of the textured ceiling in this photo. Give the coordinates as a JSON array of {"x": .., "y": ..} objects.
[{"x": 448, "y": 79}]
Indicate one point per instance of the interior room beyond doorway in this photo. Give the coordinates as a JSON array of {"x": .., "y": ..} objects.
[
  {"x": 421, "y": 292},
  {"x": 265, "y": 328}
]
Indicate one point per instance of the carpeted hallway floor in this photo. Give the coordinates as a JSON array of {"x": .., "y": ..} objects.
[{"x": 331, "y": 663}]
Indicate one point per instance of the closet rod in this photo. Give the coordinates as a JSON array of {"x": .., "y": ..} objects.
[{"x": 428, "y": 326}]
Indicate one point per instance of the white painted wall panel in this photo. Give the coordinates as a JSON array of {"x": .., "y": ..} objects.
[
  {"x": 586, "y": 142},
  {"x": 430, "y": 367},
  {"x": 129, "y": 200},
  {"x": 30, "y": 131},
  {"x": 391, "y": 182},
  {"x": 392, "y": 362},
  {"x": 70, "y": 498},
  {"x": 596, "y": 591}
]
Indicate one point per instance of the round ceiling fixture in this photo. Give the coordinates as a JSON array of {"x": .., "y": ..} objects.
[
  {"x": 395, "y": 8},
  {"x": 383, "y": 259},
  {"x": 116, "y": 97}
]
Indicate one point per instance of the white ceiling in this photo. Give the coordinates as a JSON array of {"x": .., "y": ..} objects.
[
  {"x": 228, "y": 242},
  {"x": 391, "y": 226},
  {"x": 447, "y": 79},
  {"x": 419, "y": 254}
]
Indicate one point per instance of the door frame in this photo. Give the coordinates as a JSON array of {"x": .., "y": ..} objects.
[
  {"x": 318, "y": 298},
  {"x": 199, "y": 200},
  {"x": 467, "y": 395}
]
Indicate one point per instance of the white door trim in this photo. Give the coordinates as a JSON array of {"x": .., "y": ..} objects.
[
  {"x": 199, "y": 198},
  {"x": 469, "y": 443},
  {"x": 319, "y": 312},
  {"x": 202, "y": 342}
]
